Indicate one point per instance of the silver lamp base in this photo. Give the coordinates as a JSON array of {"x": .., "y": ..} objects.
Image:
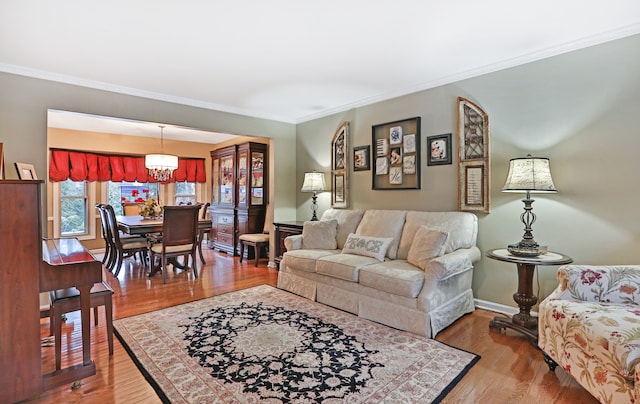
[{"x": 523, "y": 250}]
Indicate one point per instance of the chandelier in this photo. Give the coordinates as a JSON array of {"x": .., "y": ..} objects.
[{"x": 161, "y": 165}]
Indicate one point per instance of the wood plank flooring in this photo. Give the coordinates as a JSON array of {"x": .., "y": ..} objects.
[{"x": 511, "y": 369}]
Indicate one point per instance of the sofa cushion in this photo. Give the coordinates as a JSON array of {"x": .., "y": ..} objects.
[
  {"x": 374, "y": 247},
  {"x": 461, "y": 226},
  {"x": 348, "y": 221},
  {"x": 343, "y": 266},
  {"x": 319, "y": 235},
  {"x": 305, "y": 260},
  {"x": 427, "y": 244},
  {"x": 383, "y": 223},
  {"x": 397, "y": 277}
]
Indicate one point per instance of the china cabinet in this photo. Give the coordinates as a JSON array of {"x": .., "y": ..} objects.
[{"x": 238, "y": 193}]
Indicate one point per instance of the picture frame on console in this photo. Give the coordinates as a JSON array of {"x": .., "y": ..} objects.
[
  {"x": 26, "y": 171},
  {"x": 1, "y": 161}
]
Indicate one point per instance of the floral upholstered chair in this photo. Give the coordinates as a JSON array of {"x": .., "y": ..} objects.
[{"x": 590, "y": 325}]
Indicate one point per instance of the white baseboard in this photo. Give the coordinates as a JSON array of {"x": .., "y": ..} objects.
[{"x": 497, "y": 307}]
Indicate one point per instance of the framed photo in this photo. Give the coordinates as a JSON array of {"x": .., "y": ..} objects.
[
  {"x": 361, "y": 158},
  {"x": 439, "y": 150},
  {"x": 26, "y": 171},
  {"x": 340, "y": 167},
  {"x": 473, "y": 187},
  {"x": 473, "y": 152},
  {"x": 397, "y": 158},
  {"x": 339, "y": 190}
]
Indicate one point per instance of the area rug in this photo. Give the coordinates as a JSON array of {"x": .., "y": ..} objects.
[{"x": 268, "y": 345}]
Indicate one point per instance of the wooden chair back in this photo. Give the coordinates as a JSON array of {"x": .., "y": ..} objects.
[
  {"x": 131, "y": 209},
  {"x": 180, "y": 225}
]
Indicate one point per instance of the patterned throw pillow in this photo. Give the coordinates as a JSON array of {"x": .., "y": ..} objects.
[
  {"x": 427, "y": 244},
  {"x": 375, "y": 247},
  {"x": 320, "y": 235}
]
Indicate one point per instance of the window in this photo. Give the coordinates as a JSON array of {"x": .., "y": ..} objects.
[
  {"x": 129, "y": 192},
  {"x": 73, "y": 209},
  {"x": 185, "y": 193}
]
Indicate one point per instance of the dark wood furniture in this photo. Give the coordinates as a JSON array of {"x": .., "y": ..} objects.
[
  {"x": 23, "y": 275},
  {"x": 66, "y": 263},
  {"x": 523, "y": 321},
  {"x": 282, "y": 231},
  {"x": 68, "y": 300},
  {"x": 120, "y": 247},
  {"x": 20, "y": 238},
  {"x": 179, "y": 238},
  {"x": 204, "y": 215},
  {"x": 238, "y": 193}
]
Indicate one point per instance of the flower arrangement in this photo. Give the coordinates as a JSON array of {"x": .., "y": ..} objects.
[{"x": 150, "y": 208}]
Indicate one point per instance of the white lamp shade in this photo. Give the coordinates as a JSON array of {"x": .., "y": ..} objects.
[
  {"x": 531, "y": 174},
  {"x": 161, "y": 161},
  {"x": 313, "y": 182}
]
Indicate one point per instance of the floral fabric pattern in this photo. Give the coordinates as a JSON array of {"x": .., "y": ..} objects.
[{"x": 590, "y": 325}]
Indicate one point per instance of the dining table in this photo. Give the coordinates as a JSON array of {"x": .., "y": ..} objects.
[{"x": 139, "y": 225}]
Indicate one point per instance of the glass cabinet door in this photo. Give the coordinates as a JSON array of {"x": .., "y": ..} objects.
[
  {"x": 257, "y": 178},
  {"x": 226, "y": 180},
  {"x": 215, "y": 177},
  {"x": 242, "y": 178}
]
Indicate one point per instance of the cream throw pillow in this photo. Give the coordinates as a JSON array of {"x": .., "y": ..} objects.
[
  {"x": 427, "y": 244},
  {"x": 320, "y": 235},
  {"x": 374, "y": 247}
]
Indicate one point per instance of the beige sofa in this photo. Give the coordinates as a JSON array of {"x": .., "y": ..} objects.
[{"x": 410, "y": 270}]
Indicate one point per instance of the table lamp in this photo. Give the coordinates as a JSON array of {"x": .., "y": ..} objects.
[
  {"x": 529, "y": 175},
  {"x": 313, "y": 182}
]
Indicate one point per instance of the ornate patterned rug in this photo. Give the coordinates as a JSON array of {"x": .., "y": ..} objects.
[{"x": 265, "y": 344}]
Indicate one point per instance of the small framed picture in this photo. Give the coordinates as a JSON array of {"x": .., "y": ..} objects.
[
  {"x": 26, "y": 171},
  {"x": 361, "y": 159},
  {"x": 439, "y": 150}
]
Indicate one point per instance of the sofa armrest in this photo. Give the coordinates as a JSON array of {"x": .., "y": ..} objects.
[
  {"x": 293, "y": 242},
  {"x": 599, "y": 283},
  {"x": 454, "y": 262}
]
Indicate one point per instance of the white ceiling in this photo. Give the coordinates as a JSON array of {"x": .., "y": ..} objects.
[{"x": 292, "y": 60}]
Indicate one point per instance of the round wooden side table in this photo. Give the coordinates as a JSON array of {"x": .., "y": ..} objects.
[{"x": 523, "y": 321}]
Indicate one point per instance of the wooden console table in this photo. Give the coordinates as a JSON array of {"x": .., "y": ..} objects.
[
  {"x": 282, "y": 231},
  {"x": 523, "y": 321}
]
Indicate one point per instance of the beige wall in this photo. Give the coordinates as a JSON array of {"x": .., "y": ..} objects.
[
  {"x": 579, "y": 109},
  {"x": 24, "y": 103}
]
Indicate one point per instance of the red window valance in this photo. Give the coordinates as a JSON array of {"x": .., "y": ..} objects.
[{"x": 83, "y": 166}]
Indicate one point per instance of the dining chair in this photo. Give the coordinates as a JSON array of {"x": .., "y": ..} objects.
[
  {"x": 179, "y": 238},
  {"x": 256, "y": 240},
  {"x": 122, "y": 247},
  {"x": 67, "y": 300},
  {"x": 204, "y": 214},
  {"x": 108, "y": 241},
  {"x": 130, "y": 209}
]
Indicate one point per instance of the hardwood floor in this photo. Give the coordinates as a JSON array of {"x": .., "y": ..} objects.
[{"x": 511, "y": 369}]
